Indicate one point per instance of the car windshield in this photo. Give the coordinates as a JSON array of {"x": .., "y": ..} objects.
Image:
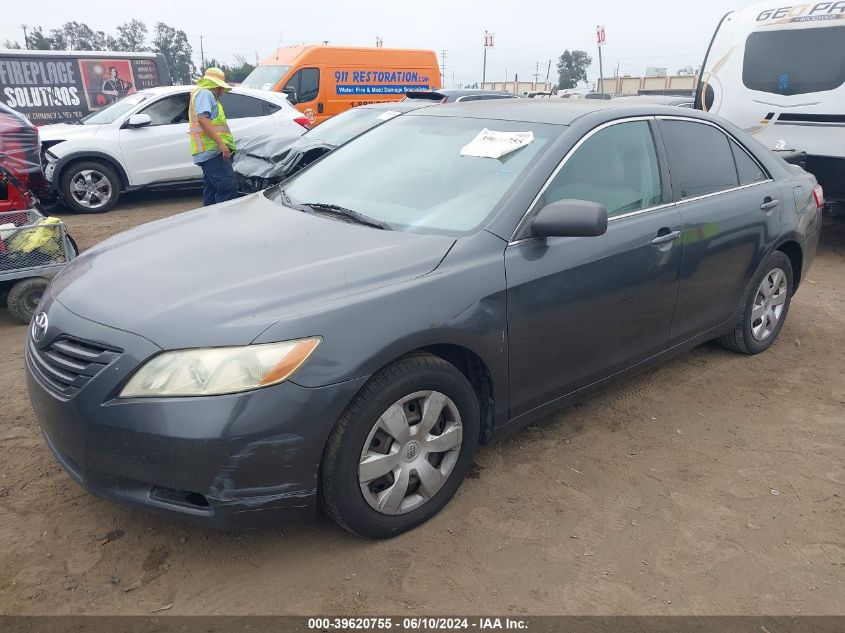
[
  {"x": 410, "y": 173},
  {"x": 265, "y": 77},
  {"x": 113, "y": 112},
  {"x": 341, "y": 128}
]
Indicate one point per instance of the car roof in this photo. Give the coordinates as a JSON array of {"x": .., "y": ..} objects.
[
  {"x": 455, "y": 92},
  {"x": 396, "y": 106},
  {"x": 267, "y": 95},
  {"x": 658, "y": 99},
  {"x": 553, "y": 111}
]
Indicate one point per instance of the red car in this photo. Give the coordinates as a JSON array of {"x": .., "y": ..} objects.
[{"x": 20, "y": 160}]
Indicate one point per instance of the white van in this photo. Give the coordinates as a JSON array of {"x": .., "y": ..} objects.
[{"x": 778, "y": 72}]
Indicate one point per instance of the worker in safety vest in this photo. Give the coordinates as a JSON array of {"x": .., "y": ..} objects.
[{"x": 212, "y": 142}]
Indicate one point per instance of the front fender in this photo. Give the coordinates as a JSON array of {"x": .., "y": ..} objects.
[
  {"x": 65, "y": 158},
  {"x": 461, "y": 303}
]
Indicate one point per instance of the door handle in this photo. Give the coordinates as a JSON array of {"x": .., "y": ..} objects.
[
  {"x": 320, "y": 108},
  {"x": 666, "y": 237},
  {"x": 768, "y": 204}
]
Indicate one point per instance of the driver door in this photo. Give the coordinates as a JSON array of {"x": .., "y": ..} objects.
[
  {"x": 303, "y": 90},
  {"x": 160, "y": 151},
  {"x": 583, "y": 308}
]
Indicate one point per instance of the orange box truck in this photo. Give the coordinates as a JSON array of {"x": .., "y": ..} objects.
[{"x": 322, "y": 81}]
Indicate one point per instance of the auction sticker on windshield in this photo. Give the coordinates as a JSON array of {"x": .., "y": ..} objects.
[
  {"x": 386, "y": 116},
  {"x": 491, "y": 144}
]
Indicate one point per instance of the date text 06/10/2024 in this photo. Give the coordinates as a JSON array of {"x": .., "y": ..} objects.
[{"x": 416, "y": 624}]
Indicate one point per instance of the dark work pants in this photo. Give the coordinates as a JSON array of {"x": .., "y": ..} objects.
[{"x": 218, "y": 180}]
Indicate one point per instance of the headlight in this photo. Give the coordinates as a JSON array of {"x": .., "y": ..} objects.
[{"x": 218, "y": 370}]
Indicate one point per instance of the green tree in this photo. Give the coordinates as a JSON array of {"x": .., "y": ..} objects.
[
  {"x": 239, "y": 70},
  {"x": 174, "y": 46},
  {"x": 10, "y": 44},
  {"x": 77, "y": 36},
  {"x": 37, "y": 41},
  {"x": 131, "y": 36},
  {"x": 572, "y": 68},
  {"x": 235, "y": 73}
]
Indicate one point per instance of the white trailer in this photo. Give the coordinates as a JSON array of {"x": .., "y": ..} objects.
[{"x": 779, "y": 73}]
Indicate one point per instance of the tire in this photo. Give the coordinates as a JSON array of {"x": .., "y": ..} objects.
[
  {"x": 748, "y": 337},
  {"x": 24, "y": 297},
  {"x": 104, "y": 186},
  {"x": 427, "y": 380},
  {"x": 4, "y": 295}
]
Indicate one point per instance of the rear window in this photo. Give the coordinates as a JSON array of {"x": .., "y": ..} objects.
[
  {"x": 240, "y": 106},
  {"x": 423, "y": 96},
  {"x": 795, "y": 61}
]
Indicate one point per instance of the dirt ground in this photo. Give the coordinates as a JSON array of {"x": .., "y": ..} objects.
[{"x": 714, "y": 484}]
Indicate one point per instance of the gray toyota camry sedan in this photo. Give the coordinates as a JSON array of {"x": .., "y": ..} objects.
[{"x": 347, "y": 340}]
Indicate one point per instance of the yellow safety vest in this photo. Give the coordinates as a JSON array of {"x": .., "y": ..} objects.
[{"x": 202, "y": 142}]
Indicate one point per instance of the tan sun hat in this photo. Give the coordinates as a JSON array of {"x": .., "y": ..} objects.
[{"x": 213, "y": 78}]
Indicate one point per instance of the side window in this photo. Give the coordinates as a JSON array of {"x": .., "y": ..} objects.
[
  {"x": 306, "y": 82},
  {"x": 700, "y": 158},
  {"x": 170, "y": 110},
  {"x": 746, "y": 167},
  {"x": 616, "y": 167},
  {"x": 240, "y": 106},
  {"x": 309, "y": 85}
]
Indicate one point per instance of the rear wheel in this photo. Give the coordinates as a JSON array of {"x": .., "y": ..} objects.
[
  {"x": 24, "y": 297},
  {"x": 401, "y": 449},
  {"x": 765, "y": 306},
  {"x": 90, "y": 187}
]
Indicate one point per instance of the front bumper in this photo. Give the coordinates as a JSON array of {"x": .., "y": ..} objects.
[{"x": 237, "y": 461}]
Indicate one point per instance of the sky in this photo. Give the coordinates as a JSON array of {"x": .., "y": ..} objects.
[{"x": 640, "y": 33}]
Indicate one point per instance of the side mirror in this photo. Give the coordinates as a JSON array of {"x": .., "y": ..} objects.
[
  {"x": 290, "y": 91},
  {"x": 139, "y": 120},
  {"x": 570, "y": 218}
]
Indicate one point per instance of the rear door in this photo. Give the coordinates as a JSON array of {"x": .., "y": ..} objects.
[
  {"x": 731, "y": 211},
  {"x": 582, "y": 308},
  {"x": 247, "y": 116}
]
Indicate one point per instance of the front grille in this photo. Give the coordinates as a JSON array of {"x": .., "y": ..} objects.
[{"x": 68, "y": 363}]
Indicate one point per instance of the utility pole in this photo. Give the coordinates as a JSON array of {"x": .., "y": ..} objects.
[
  {"x": 453, "y": 79},
  {"x": 536, "y": 74},
  {"x": 443, "y": 54},
  {"x": 548, "y": 71},
  {"x": 488, "y": 43},
  {"x": 202, "y": 57},
  {"x": 25, "y": 42}
]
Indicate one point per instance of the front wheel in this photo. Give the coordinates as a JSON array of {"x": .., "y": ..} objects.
[
  {"x": 765, "y": 306},
  {"x": 401, "y": 449},
  {"x": 90, "y": 187}
]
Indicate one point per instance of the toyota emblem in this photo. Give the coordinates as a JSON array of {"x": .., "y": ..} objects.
[{"x": 39, "y": 327}]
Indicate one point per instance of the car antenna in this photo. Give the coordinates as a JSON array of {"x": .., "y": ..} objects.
[{"x": 281, "y": 35}]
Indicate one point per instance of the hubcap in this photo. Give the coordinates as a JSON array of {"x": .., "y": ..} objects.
[
  {"x": 768, "y": 304},
  {"x": 90, "y": 188},
  {"x": 410, "y": 452}
]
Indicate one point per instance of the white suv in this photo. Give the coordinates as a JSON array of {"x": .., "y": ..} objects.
[{"x": 142, "y": 141}]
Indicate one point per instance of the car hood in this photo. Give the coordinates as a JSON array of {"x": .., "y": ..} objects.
[
  {"x": 222, "y": 275},
  {"x": 270, "y": 157},
  {"x": 67, "y": 132}
]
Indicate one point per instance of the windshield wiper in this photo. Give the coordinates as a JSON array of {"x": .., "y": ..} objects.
[{"x": 334, "y": 209}]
